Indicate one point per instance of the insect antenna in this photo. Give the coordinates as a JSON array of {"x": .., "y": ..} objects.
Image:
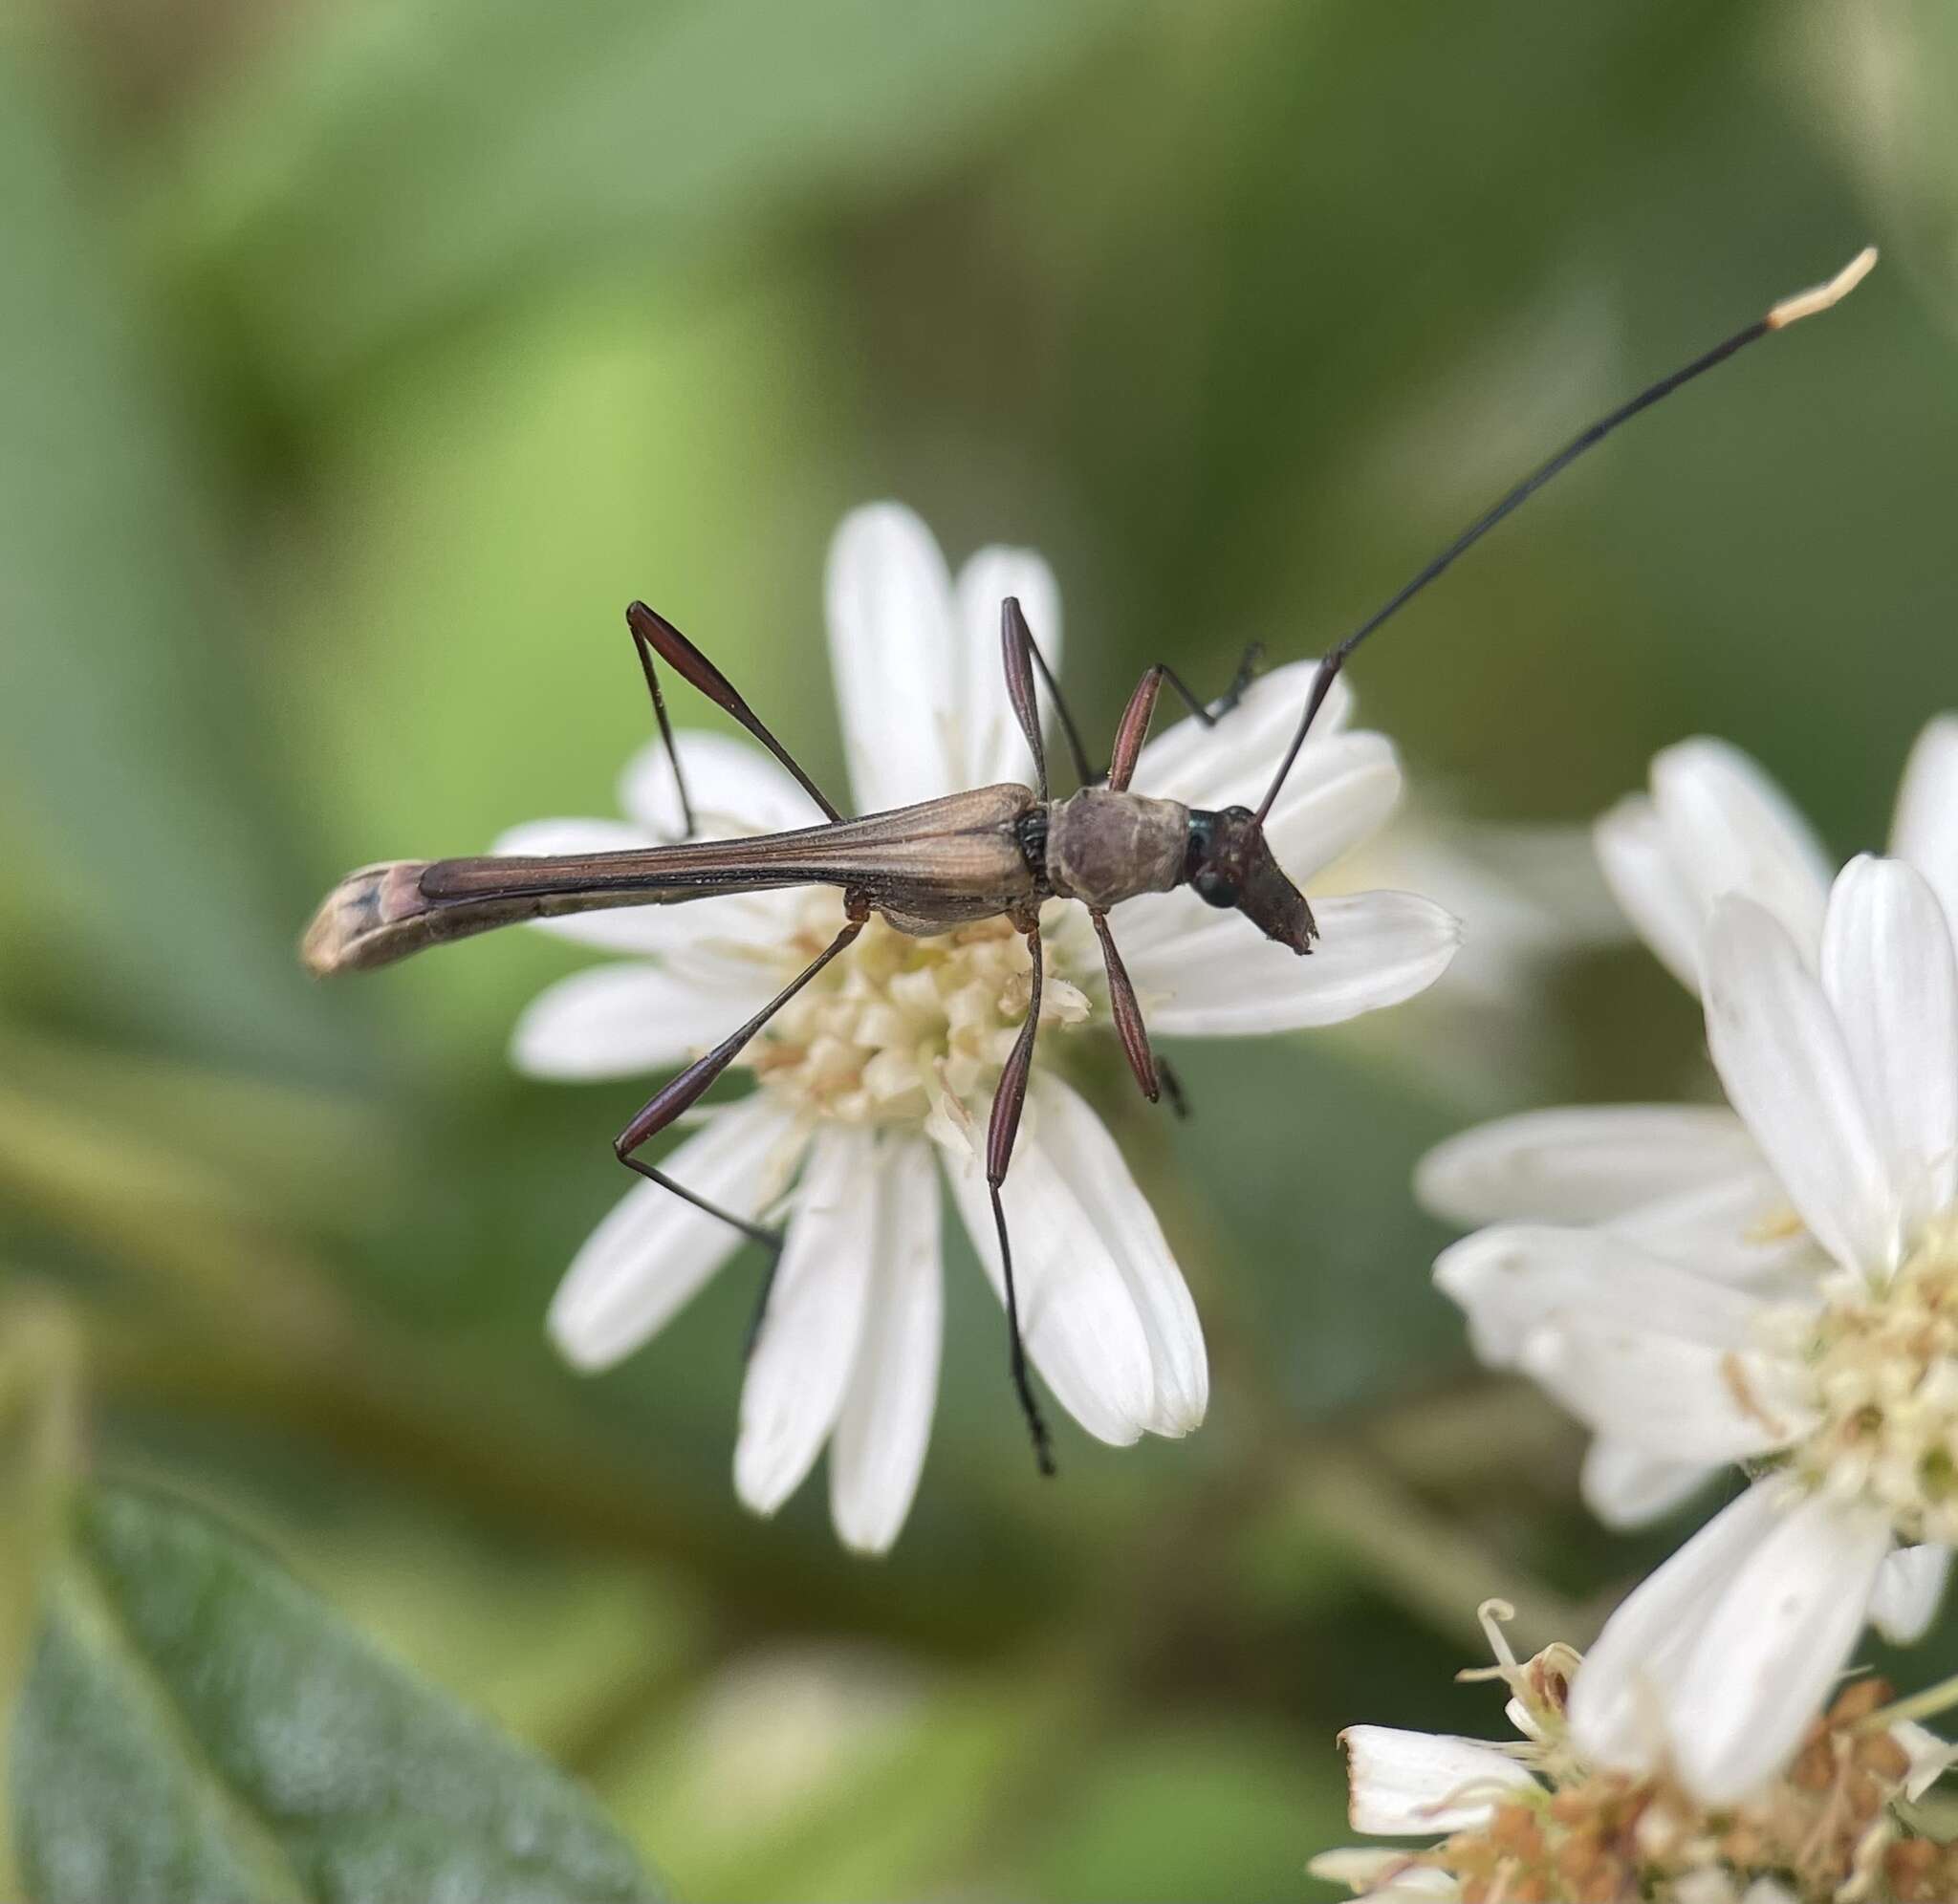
[{"x": 1790, "y": 311}]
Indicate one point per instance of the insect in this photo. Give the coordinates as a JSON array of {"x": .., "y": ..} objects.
[{"x": 991, "y": 851}]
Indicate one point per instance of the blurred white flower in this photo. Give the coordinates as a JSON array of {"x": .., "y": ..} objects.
[
  {"x": 1689, "y": 1182},
  {"x": 882, "y": 1070},
  {"x": 1537, "y": 1817},
  {"x": 1532, "y": 897},
  {"x": 1775, "y": 1287}
]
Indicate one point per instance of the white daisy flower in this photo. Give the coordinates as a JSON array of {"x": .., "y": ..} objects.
[
  {"x": 880, "y": 1073},
  {"x": 1537, "y": 1817},
  {"x": 1688, "y": 1182},
  {"x": 1833, "y": 1377},
  {"x": 1536, "y": 898}
]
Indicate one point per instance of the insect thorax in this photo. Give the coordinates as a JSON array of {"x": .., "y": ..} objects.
[{"x": 1104, "y": 848}]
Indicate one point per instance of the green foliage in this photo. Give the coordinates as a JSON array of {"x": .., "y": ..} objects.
[
  {"x": 360, "y": 360},
  {"x": 196, "y": 1723},
  {"x": 409, "y": 163},
  {"x": 130, "y": 747}
]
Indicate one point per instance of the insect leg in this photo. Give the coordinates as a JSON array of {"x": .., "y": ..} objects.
[
  {"x": 688, "y": 826},
  {"x": 1128, "y": 1014},
  {"x": 679, "y": 1094},
  {"x": 655, "y": 634},
  {"x": 1015, "y": 653},
  {"x": 1008, "y": 1102},
  {"x": 1133, "y": 729},
  {"x": 1083, "y": 772}
]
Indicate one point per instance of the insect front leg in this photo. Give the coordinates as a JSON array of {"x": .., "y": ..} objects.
[
  {"x": 681, "y": 1094},
  {"x": 1004, "y": 1126}
]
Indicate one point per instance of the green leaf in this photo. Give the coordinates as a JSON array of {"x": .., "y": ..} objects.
[
  {"x": 197, "y": 1724},
  {"x": 405, "y": 163},
  {"x": 138, "y": 789}
]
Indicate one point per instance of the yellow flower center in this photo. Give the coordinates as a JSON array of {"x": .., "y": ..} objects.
[
  {"x": 1826, "y": 1831},
  {"x": 1882, "y": 1362},
  {"x": 900, "y": 1029}
]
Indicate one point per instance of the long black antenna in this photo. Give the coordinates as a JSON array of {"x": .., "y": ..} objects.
[{"x": 1790, "y": 311}]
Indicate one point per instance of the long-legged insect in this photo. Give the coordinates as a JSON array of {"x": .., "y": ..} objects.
[{"x": 941, "y": 864}]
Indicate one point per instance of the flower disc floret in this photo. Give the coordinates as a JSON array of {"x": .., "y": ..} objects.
[
  {"x": 1882, "y": 1364},
  {"x": 902, "y": 1024}
]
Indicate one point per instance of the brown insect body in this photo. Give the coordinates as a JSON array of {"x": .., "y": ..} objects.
[
  {"x": 927, "y": 868},
  {"x": 1104, "y": 847}
]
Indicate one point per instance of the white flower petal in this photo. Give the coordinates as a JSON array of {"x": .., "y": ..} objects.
[
  {"x": 1733, "y": 831},
  {"x": 810, "y": 1335},
  {"x": 1737, "y": 1229},
  {"x": 1232, "y": 761},
  {"x": 1622, "y": 1696},
  {"x": 1889, "y": 971},
  {"x": 894, "y": 652},
  {"x": 1103, "y": 1308},
  {"x": 1781, "y": 1054},
  {"x": 1910, "y": 1583},
  {"x": 1078, "y": 1144},
  {"x": 734, "y": 786},
  {"x": 1930, "y": 1758},
  {"x": 1381, "y": 1875},
  {"x": 877, "y": 1452},
  {"x": 653, "y": 1250},
  {"x": 1401, "y": 1784},
  {"x": 985, "y": 744},
  {"x": 1678, "y": 1399},
  {"x": 1511, "y": 1278},
  {"x": 1768, "y": 1653},
  {"x": 1227, "y": 981},
  {"x": 1635, "y": 859},
  {"x": 1352, "y": 790},
  {"x": 1926, "y": 828},
  {"x": 547, "y": 839},
  {"x": 1625, "y": 1487},
  {"x": 1721, "y": 1658},
  {"x": 614, "y": 1021},
  {"x": 1581, "y": 1163}
]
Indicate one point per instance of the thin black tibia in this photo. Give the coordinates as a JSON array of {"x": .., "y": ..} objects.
[
  {"x": 1008, "y": 1102},
  {"x": 1077, "y": 751},
  {"x": 1015, "y": 655},
  {"x": 679, "y": 1094},
  {"x": 688, "y": 825},
  {"x": 656, "y": 635},
  {"x": 1133, "y": 728},
  {"x": 1172, "y": 1087}
]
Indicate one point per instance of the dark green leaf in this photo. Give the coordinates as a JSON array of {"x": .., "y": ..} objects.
[{"x": 197, "y": 1724}]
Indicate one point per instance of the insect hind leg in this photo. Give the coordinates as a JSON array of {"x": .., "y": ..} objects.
[
  {"x": 1008, "y": 1101},
  {"x": 681, "y": 1094}
]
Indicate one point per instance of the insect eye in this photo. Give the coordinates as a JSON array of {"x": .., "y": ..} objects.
[{"x": 1214, "y": 889}]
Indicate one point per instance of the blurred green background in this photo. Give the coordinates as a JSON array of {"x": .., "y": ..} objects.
[{"x": 359, "y": 361}]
